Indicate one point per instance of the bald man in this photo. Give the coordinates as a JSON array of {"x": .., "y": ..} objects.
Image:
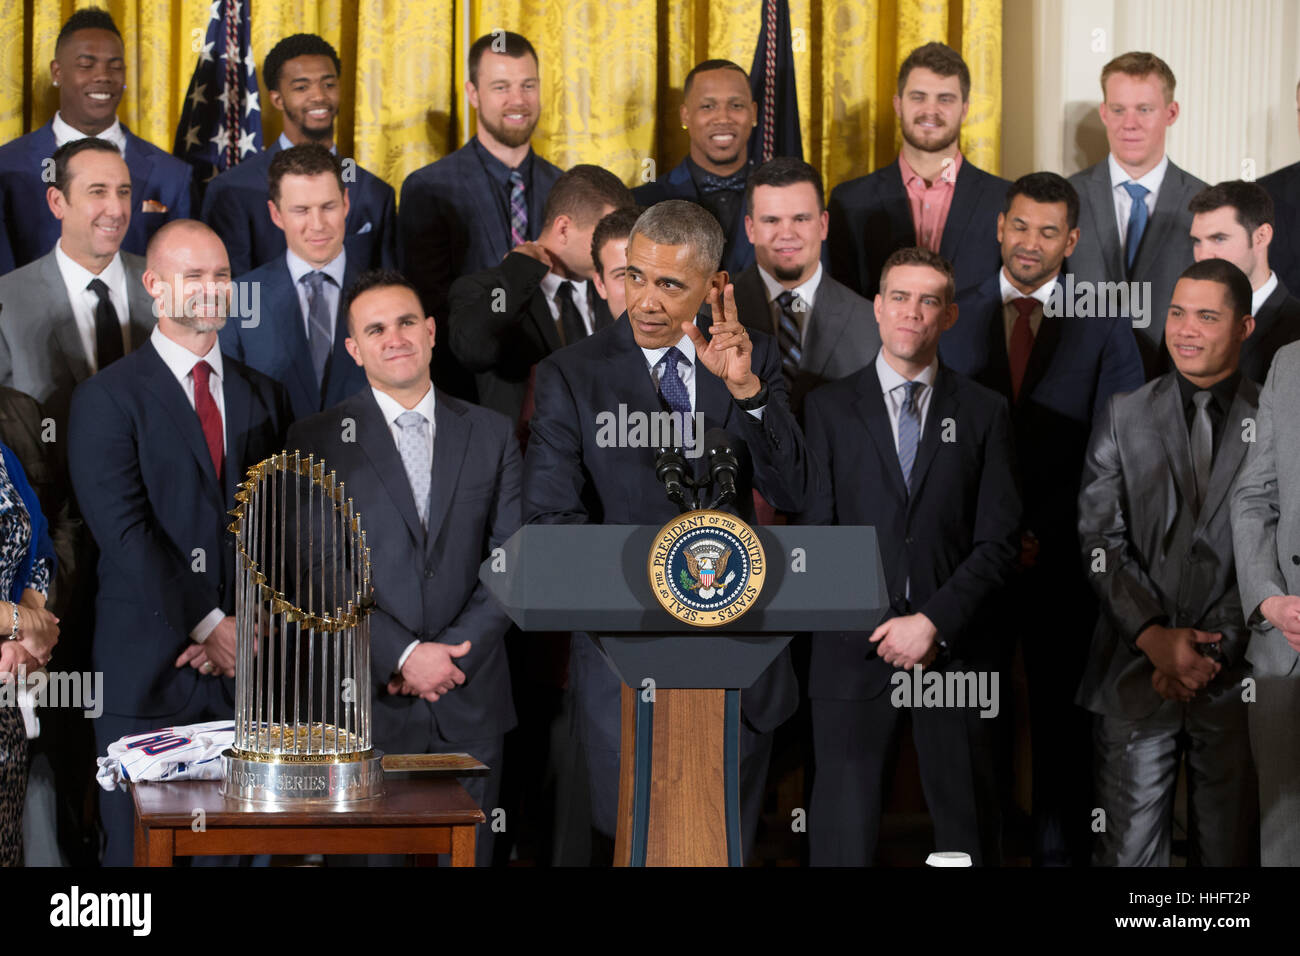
[{"x": 157, "y": 443}]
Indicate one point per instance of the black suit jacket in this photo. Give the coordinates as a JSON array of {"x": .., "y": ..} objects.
[
  {"x": 571, "y": 477},
  {"x": 1075, "y": 366},
  {"x": 841, "y": 335},
  {"x": 147, "y": 489},
  {"x": 871, "y": 217},
  {"x": 1276, "y": 324},
  {"x": 426, "y": 581},
  {"x": 234, "y": 205},
  {"x": 738, "y": 253},
  {"x": 501, "y": 345},
  {"x": 1284, "y": 251},
  {"x": 956, "y": 536}
]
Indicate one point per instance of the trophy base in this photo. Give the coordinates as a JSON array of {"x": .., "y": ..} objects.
[{"x": 301, "y": 783}]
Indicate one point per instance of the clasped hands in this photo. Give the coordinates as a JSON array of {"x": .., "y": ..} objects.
[
  {"x": 907, "y": 641},
  {"x": 38, "y": 632},
  {"x": 1181, "y": 670},
  {"x": 429, "y": 672}
]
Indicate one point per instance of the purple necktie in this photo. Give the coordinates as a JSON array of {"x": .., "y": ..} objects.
[{"x": 518, "y": 210}]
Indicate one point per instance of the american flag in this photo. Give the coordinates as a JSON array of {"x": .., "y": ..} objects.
[
  {"x": 222, "y": 121},
  {"x": 771, "y": 80}
]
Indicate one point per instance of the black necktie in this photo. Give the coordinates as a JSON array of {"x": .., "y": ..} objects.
[
  {"x": 108, "y": 331},
  {"x": 572, "y": 328}
]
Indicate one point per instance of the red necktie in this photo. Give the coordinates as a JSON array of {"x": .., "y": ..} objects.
[
  {"x": 209, "y": 416},
  {"x": 1022, "y": 343}
]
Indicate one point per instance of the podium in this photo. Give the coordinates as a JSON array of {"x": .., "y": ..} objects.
[{"x": 679, "y": 793}]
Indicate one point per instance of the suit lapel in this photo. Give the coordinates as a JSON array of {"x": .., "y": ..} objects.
[
  {"x": 450, "y": 443},
  {"x": 1040, "y": 356},
  {"x": 1173, "y": 435},
  {"x": 140, "y": 166},
  {"x": 376, "y": 441},
  {"x": 238, "y": 402},
  {"x": 1102, "y": 201},
  {"x": 959, "y": 213},
  {"x": 942, "y": 405},
  {"x": 825, "y": 326},
  {"x": 158, "y": 378},
  {"x": 1230, "y": 452},
  {"x": 336, "y": 367},
  {"x": 997, "y": 366},
  {"x": 1169, "y": 203},
  {"x": 751, "y": 301},
  {"x": 544, "y": 322},
  {"x": 288, "y": 310},
  {"x": 63, "y": 324},
  {"x": 898, "y": 208},
  {"x": 871, "y": 409}
]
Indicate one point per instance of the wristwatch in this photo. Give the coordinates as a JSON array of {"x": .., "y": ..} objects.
[{"x": 754, "y": 402}]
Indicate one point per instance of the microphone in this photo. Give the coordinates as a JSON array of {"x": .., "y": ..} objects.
[
  {"x": 670, "y": 469},
  {"x": 723, "y": 465}
]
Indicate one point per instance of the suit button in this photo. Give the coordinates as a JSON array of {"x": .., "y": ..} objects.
[
  {"x": 428, "y": 572},
  {"x": 898, "y": 597},
  {"x": 907, "y": 540},
  {"x": 1295, "y": 559}
]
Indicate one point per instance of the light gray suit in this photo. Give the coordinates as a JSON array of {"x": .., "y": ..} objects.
[
  {"x": 1165, "y": 563},
  {"x": 42, "y": 355},
  {"x": 1266, "y": 537},
  {"x": 841, "y": 334},
  {"x": 1166, "y": 248}
]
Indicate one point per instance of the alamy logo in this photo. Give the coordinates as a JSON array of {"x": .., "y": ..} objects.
[
  {"x": 922, "y": 688},
  {"x": 637, "y": 429},
  {"x": 1100, "y": 300},
  {"x": 74, "y": 908}
]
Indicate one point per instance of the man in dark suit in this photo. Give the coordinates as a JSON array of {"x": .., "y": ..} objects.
[
  {"x": 436, "y": 481},
  {"x": 463, "y": 213},
  {"x": 924, "y": 455},
  {"x": 1166, "y": 667},
  {"x": 77, "y": 308},
  {"x": 653, "y": 360},
  {"x": 718, "y": 112},
  {"x": 158, "y": 442},
  {"x": 301, "y": 74},
  {"x": 296, "y": 330},
  {"x": 89, "y": 70},
  {"x": 1018, "y": 336},
  {"x": 824, "y": 331},
  {"x": 1283, "y": 185},
  {"x": 1133, "y": 206},
  {"x": 931, "y": 196},
  {"x": 505, "y": 319},
  {"x": 1234, "y": 220}
]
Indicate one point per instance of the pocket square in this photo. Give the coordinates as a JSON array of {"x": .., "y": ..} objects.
[
  {"x": 364, "y": 229},
  {"x": 152, "y": 205}
]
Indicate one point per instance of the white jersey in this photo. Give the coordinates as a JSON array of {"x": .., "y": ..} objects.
[{"x": 191, "y": 752}]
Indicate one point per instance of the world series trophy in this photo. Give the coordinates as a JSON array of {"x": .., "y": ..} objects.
[{"x": 302, "y": 670}]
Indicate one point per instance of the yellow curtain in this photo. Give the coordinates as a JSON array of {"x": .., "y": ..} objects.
[{"x": 612, "y": 71}]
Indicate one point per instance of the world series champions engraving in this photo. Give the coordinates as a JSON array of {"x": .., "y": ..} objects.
[
  {"x": 707, "y": 568},
  {"x": 302, "y": 655}
]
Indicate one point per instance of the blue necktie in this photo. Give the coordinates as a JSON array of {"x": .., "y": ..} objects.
[
  {"x": 413, "y": 446},
  {"x": 710, "y": 183},
  {"x": 909, "y": 431},
  {"x": 671, "y": 386},
  {"x": 1137, "y": 221},
  {"x": 320, "y": 329}
]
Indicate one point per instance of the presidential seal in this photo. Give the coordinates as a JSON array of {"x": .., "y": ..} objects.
[{"x": 706, "y": 568}]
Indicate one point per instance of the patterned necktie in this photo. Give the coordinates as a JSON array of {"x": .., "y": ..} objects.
[
  {"x": 108, "y": 330},
  {"x": 1022, "y": 343},
  {"x": 571, "y": 326},
  {"x": 209, "y": 416},
  {"x": 319, "y": 327},
  {"x": 413, "y": 446},
  {"x": 788, "y": 336},
  {"x": 518, "y": 210},
  {"x": 1202, "y": 445},
  {"x": 674, "y": 393},
  {"x": 1137, "y": 221},
  {"x": 909, "y": 431},
  {"x": 710, "y": 183}
]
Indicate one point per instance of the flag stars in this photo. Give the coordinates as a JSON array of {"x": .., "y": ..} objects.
[
  {"x": 205, "y": 55},
  {"x": 246, "y": 144}
]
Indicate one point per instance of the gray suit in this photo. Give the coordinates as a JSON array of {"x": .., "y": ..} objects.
[
  {"x": 1165, "y": 251},
  {"x": 1165, "y": 563},
  {"x": 841, "y": 334},
  {"x": 1266, "y": 537}
]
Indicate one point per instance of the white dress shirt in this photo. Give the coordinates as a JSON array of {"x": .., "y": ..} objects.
[
  {"x": 180, "y": 361},
  {"x": 392, "y": 409},
  {"x": 76, "y": 279},
  {"x": 1260, "y": 295},
  {"x": 807, "y": 292},
  {"x": 891, "y": 384},
  {"x": 66, "y": 133},
  {"x": 1124, "y": 202},
  {"x": 551, "y": 285},
  {"x": 333, "y": 291},
  {"x": 1010, "y": 313}
]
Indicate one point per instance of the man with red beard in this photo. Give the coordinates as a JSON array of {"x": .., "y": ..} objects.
[
  {"x": 931, "y": 197},
  {"x": 463, "y": 213}
]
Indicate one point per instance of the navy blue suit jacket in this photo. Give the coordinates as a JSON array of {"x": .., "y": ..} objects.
[
  {"x": 738, "y": 253},
  {"x": 277, "y": 345},
  {"x": 1076, "y": 365},
  {"x": 28, "y": 230},
  {"x": 147, "y": 489},
  {"x": 955, "y": 536},
  {"x": 871, "y": 217},
  {"x": 235, "y": 206},
  {"x": 571, "y": 478}
]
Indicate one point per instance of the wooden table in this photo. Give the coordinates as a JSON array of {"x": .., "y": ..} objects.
[{"x": 418, "y": 814}]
